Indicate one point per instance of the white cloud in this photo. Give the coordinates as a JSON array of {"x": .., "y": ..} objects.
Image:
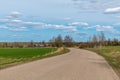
[
  {"x": 90, "y": 5},
  {"x": 113, "y": 10},
  {"x": 33, "y": 24},
  {"x": 38, "y": 25},
  {"x": 79, "y": 24},
  {"x": 15, "y": 24},
  {"x": 16, "y": 21},
  {"x": 105, "y": 29},
  {"x": 59, "y": 27},
  {"x": 9, "y": 17},
  {"x": 15, "y": 14},
  {"x": 13, "y": 21},
  {"x": 95, "y": 5}
]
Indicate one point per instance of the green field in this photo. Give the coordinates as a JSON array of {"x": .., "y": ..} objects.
[
  {"x": 111, "y": 54},
  {"x": 12, "y": 56}
]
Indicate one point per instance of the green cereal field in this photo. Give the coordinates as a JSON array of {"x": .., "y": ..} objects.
[{"x": 11, "y": 56}]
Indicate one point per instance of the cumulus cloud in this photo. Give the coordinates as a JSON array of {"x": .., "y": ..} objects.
[
  {"x": 58, "y": 27},
  {"x": 96, "y": 5},
  {"x": 89, "y": 5},
  {"x": 32, "y": 24},
  {"x": 79, "y": 24},
  {"x": 14, "y": 14},
  {"x": 16, "y": 21},
  {"x": 100, "y": 28},
  {"x": 38, "y": 25},
  {"x": 112, "y": 10},
  {"x": 15, "y": 24}
]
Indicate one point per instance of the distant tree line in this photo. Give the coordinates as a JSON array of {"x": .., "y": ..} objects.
[
  {"x": 22, "y": 44},
  {"x": 67, "y": 41},
  {"x": 99, "y": 41},
  {"x": 59, "y": 41}
]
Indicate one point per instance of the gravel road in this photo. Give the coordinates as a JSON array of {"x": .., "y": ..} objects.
[{"x": 78, "y": 64}]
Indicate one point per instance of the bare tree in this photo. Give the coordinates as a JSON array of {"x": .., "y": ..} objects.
[
  {"x": 115, "y": 42},
  {"x": 52, "y": 42},
  {"x": 102, "y": 39},
  {"x": 95, "y": 40},
  {"x": 58, "y": 41},
  {"x": 68, "y": 41},
  {"x": 31, "y": 43}
]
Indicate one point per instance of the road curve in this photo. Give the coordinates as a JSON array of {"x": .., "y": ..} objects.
[{"x": 78, "y": 64}]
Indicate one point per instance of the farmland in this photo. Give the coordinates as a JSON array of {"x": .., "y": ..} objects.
[
  {"x": 13, "y": 56},
  {"x": 111, "y": 54}
]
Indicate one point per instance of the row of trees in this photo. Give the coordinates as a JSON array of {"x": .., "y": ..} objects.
[
  {"x": 59, "y": 41},
  {"x": 94, "y": 41},
  {"x": 22, "y": 44},
  {"x": 99, "y": 41}
]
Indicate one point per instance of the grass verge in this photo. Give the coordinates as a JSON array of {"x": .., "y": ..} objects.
[
  {"x": 16, "y": 56},
  {"x": 111, "y": 54}
]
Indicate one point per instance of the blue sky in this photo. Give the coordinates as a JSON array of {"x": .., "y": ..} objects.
[{"x": 38, "y": 20}]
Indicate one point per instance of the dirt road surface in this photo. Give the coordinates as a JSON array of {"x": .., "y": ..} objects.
[{"x": 78, "y": 64}]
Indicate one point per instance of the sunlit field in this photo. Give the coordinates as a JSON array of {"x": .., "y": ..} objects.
[{"x": 11, "y": 56}]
